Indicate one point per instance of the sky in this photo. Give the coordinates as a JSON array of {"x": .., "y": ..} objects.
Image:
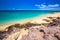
[{"x": 29, "y": 4}]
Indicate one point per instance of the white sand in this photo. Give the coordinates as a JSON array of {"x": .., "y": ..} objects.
[{"x": 38, "y": 20}]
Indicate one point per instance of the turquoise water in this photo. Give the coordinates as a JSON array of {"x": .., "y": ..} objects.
[{"x": 10, "y": 16}]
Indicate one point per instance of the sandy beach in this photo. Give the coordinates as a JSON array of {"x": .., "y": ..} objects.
[{"x": 37, "y": 20}]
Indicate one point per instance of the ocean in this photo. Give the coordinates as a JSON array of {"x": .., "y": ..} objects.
[{"x": 11, "y": 16}]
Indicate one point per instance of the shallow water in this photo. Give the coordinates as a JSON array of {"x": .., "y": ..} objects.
[{"x": 10, "y": 16}]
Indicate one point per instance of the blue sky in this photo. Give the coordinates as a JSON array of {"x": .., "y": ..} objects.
[{"x": 29, "y": 4}]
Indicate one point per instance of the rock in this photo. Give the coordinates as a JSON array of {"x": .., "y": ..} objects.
[{"x": 29, "y": 31}]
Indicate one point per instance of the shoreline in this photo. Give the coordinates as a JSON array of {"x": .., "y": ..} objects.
[
  {"x": 37, "y": 20},
  {"x": 56, "y": 14},
  {"x": 22, "y": 32},
  {"x": 21, "y": 21}
]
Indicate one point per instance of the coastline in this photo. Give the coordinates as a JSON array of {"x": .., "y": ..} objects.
[
  {"x": 33, "y": 19},
  {"x": 38, "y": 20},
  {"x": 24, "y": 30}
]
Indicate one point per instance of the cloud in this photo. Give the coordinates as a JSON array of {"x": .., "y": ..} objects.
[
  {"x": 47, "y": 6},
  {"x": 55, "y": 5}
]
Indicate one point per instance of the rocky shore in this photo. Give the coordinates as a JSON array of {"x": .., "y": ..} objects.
[{"x": 33, "y": 31}]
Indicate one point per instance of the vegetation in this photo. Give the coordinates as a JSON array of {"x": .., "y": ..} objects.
[
  {"x": 50, "y": 17},
  {"x": 46, "y": 20}
]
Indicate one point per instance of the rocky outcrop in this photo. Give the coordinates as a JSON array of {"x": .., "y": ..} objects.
[
  {"x": 52, "y": 33},
  {"x": 44, "y": 31}
]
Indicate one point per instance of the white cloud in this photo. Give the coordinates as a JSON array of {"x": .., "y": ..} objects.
[
  {"x": 47, "y": 6},
  {"x": 55, "y": 5}
]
